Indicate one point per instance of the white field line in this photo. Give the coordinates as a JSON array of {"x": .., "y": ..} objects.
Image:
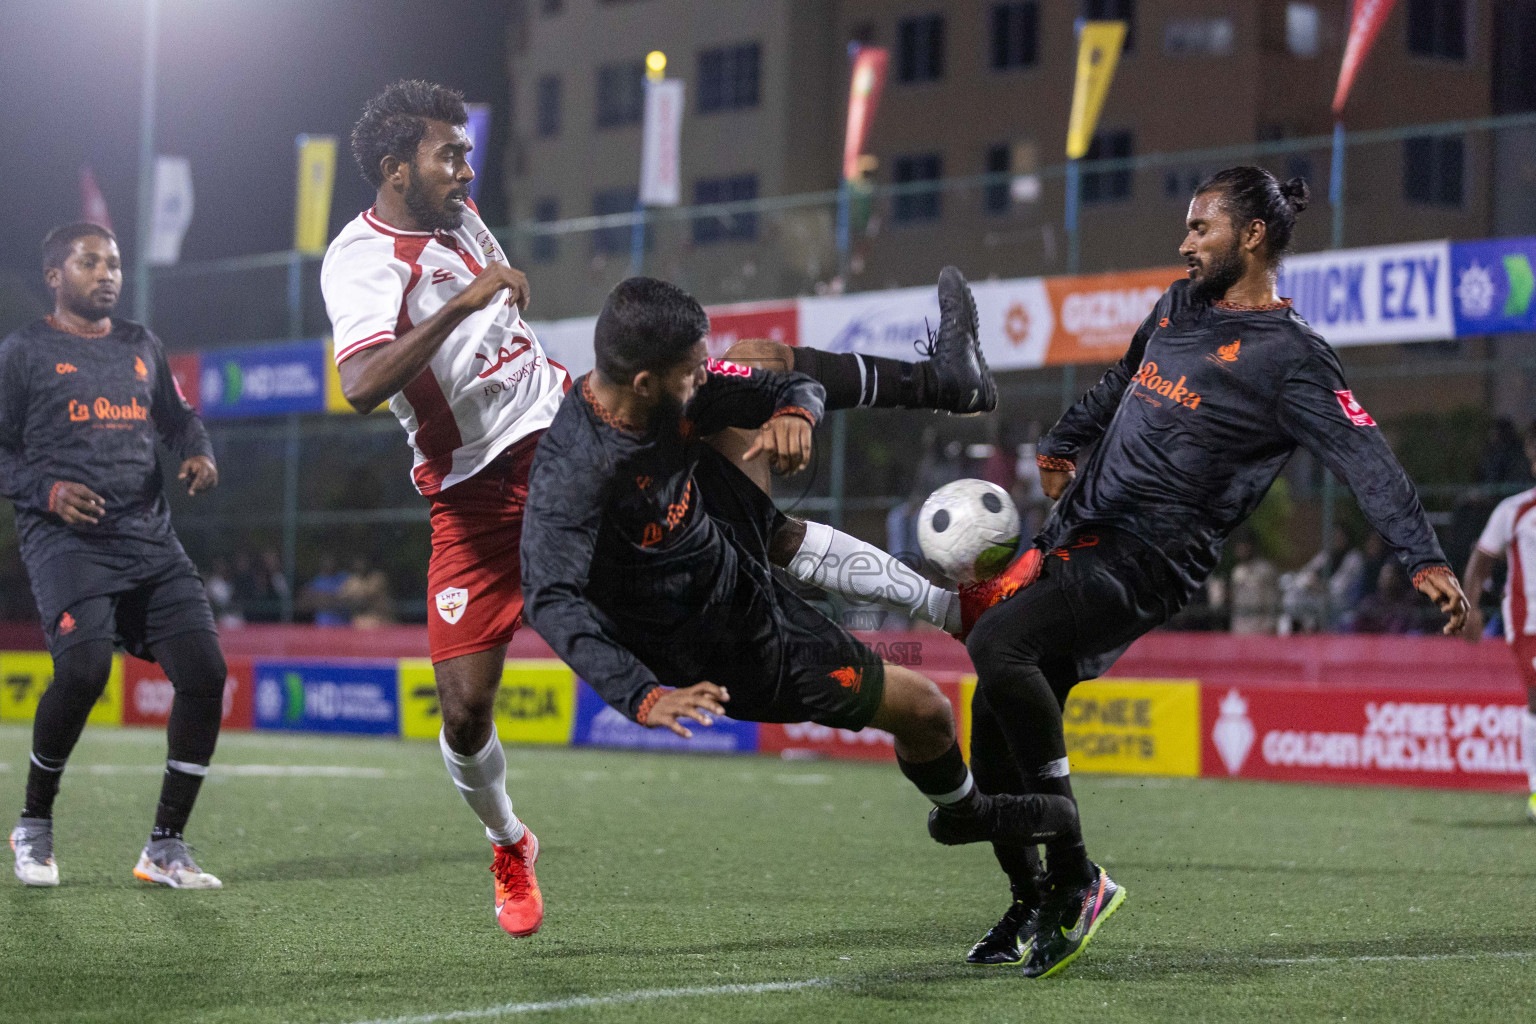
[
  {"x": 1393, "y": 958},
  {"x": 261, "y": 771},
  {"x": 615, "y": 999}
]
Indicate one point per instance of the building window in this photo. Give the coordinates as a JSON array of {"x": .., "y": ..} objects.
[
  {"x": 731, "y": 227},
  {"x": 994, "y": 195},
  {"x": 616, "y": 239},
  {"x": 1199, "y": 37},
  {"x": 920, "y": 48},
  {"x": 547, "y": 98},
  {"x": 1015, "y": 35},
  {"x": 917, "y": 204},
  {"x": 728, "y": 78},
  {"x": 620, "y": 93},
  {"x": 1108, "y": 186},
  {"x": 1433, "y": 170},
  {"x": 1114, "y": 10},
  {"x": 1438, "y": 28},
  {"x": 546, "y": 248},
  {"x": 1303, "y": 30}
]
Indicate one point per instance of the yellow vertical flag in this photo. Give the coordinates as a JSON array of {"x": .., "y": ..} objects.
[
  {"x": 1098, "y": 54},
  {"x": 312, "y": 206}
]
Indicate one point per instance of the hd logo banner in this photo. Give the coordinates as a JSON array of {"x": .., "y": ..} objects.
[
  {"x": 598, "y": 725},
  {"x": 536, "y": 702},
  {"x": 354, "y": 696},
  {"x": 1495, "y": 285}
]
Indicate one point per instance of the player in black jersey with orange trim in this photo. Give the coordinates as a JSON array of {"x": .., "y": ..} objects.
[
  {"x": 83, "y": 396},
  {"x": 1221, "y": 384}
]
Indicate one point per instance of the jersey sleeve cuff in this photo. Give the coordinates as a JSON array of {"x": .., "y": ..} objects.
[
  {"x": 1431, "y": 570},
  {"x": 794, "y": 410},
  {"x": 1054, "y": 464},
  {"x": 643, "y": 711},
  {"x": 352, "y": 348}
]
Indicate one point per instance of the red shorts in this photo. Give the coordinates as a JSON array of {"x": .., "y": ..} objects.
[
  {"x": 474, "y": 578},
  {"x": 1524, "y": 648}
]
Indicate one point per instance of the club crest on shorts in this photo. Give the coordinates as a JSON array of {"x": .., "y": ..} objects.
[{"x": 451, "y": 604}]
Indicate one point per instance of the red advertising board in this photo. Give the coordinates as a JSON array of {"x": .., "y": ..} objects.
[
  {"x": 186, "y": 368},
  {"x": 1451, "y": 738},
  {"x": 776, "y": 321},
  {"x": 147, "y": 694},
  {"x": 807, "y": 739}
]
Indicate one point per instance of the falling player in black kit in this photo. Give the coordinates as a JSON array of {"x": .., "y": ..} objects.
[
  {"x": 1221, "y": 383},
  {"x": 670, "y": 610},
  {"x": 82, "y": 397}
]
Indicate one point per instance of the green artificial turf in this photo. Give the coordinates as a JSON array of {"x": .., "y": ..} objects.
[{"x": 357, "y": 898}]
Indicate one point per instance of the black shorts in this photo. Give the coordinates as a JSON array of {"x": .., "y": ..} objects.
[
  {"x": 736, "y": 504},
  {"x": 137, "y": 594}
]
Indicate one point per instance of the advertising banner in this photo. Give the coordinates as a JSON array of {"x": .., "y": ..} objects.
[
  {"x": 1365, "y": 25},
  {"x": 1098, "y": 54},
  {"x": 536, "y": 702},
  {"x": 24, "y": 675},
  {"x": 775, "y": 321},
  {"x": 1373, "y": 296},
  {"x": 660, "y": 143},
  {"x": 263, "y": 380},
  {"x": 186, "y": 369},
  {"x": 598, "y": 725},
  {"x": 479, "y": 130},
  {"x": 1494, "y": 284},
  {"x": 807, "y": 739},
  {"x": 1134, "y": 727},
  {"x": 353, "y": 696},
  {"x": 874, "y": 323},
  {"x": 864, "y": 88},
  {"x": 1455, "y": 739},
  {"x": 1096, "y": 315},
  {"x": 171, "y": 214},
  {"x": 316, "y": 179},
  {"x": 147, "y": 694}
]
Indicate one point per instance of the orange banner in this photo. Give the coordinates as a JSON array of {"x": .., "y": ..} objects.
[{"x": 1097, "y": 314}]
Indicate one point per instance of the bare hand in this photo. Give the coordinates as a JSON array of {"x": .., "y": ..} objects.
[
  {"x": 491, "y": 282},
  {"x": 1443, "y": 589},
  {"x": 200, "y": 473},
  {"x": 786, "y": 440},
  {"x": 1054, "y": 481},
  {"x": 697, "y": 702},
  {"x": 76, "y": 504},
  {"x": 1475, "y": 624}
]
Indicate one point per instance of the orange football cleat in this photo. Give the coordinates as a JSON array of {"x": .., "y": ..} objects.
[{"x": 519, "y": 903}]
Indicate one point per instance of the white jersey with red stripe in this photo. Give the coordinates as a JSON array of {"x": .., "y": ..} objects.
[
  {"x": 488, "y": 386},
  {"x": 1511, "y": 533}
]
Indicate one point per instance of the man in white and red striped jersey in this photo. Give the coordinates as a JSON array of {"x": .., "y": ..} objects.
[
  {"x": 427, "y": 314},
  {"x": 1511, "y": 535}
]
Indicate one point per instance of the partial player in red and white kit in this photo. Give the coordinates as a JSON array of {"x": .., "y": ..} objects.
[
  {"x": 426, "y": 314},
  {"x": 1511, "y": 535}
]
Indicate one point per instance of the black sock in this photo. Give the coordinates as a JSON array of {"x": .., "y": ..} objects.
[
  {"x": 1066, "y": 858},
  {"x": 42, "y": 786},
  {"x": 1022, "y": 866},
  {"x": 945, "y": 780},
  {"x": 853, "y": 380},
  {"x": 178, "y": 792}
]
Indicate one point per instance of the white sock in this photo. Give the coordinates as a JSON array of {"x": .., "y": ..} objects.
[
  {"x": 1528, "y": 746},
  {"x": 845, "y": 565},
  {"x": 482, "y": 779}
]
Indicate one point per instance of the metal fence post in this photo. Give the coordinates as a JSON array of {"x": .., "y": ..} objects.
[
  {"x": 1336, "y": 185},
  {"x": 290, "y": 513},
  {"x": 295, "y": 295},
  {"x": 1074, "y": 235}
]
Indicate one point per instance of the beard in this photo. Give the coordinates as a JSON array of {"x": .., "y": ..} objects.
[
  {"x": 1222, "y": 272},
  {"x": 88, "y": 306},
  {"x": 444, "y": 215}
]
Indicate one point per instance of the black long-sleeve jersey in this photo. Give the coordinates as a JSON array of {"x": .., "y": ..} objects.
[
  {"x": 1198, "y": 419},
  {"x": 86, "y": 411},
  {"x": 618, "y": 550}
]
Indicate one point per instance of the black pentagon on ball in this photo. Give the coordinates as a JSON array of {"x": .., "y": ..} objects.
[
  {"x": 991, "y": 502},
  {"x": 941, "y": 520}
]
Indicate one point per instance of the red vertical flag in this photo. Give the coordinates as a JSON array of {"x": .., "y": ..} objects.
[
  {"x": 93, "y": 205},
  {"x": 863, "y": 97},
  {"x": 1364, "y": 27}
]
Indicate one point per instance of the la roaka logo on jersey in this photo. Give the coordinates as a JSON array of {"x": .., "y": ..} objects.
[
  {"x": 107, "y": 411},
  {"x": 451, "y": 604},
  {"x": 1354, "y": 410},
  {"x": 1147, "y": 377}
]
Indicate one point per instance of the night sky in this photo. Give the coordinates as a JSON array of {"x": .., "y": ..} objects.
[{"x": 237, "y": 80}]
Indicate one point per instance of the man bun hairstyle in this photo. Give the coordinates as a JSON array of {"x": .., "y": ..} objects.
[
  {"x": 646, "y": 324},
  {"x": 62, "y": 239},
  {"x": 395, "y": 121},
  {"x": 1252, "y": 193}
]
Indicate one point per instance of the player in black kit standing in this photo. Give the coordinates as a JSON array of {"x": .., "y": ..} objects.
[
  {"x": 1222, "y": 382},
  {"x": 82, "y": 397}
]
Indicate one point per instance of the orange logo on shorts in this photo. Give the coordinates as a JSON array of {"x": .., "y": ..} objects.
[
  {"x": 66, "y": 623},
  {"x": 848, "y": 678}
]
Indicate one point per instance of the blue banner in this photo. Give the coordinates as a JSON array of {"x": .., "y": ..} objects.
[
  {"x": 479, "y": 131},
  {"x": 1494, "y": 284},
  {"x": 328, "y": 696},
  {"x": 598, "y": 725},
  {"x": 263, "y": 380}
]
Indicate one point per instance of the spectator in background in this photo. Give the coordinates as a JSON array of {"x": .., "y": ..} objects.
[
  {"x": 365, "y": 594},
  {"x": 1503, "y": 459},
  {"x": 221, "y": 595},
  {"x": 321, "y": 596},
  {"x": 1317, "y": 596},
  {"x": 260, "y": 585},
  {"x": 1254, "y": 591},
  {"x": 1394, "y": 606}
]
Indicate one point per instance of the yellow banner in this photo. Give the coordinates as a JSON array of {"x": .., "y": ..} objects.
[
  {"x": 24, "y": 675},
  {"x": 536, "y": 703},
  {"x": 1098, "y": 54},
  {"x": 1134, "y": 727},
  {"x": 312, "y": 209}
]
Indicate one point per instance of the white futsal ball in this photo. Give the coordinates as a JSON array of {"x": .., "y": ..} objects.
[{"x": 969, "y": 529}]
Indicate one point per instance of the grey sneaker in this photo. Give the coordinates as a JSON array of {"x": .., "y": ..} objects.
[
  {"x": 964, "y": 382},
  {"x": 169, "y": 862},
  {"x": 32, "y": 840}
]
